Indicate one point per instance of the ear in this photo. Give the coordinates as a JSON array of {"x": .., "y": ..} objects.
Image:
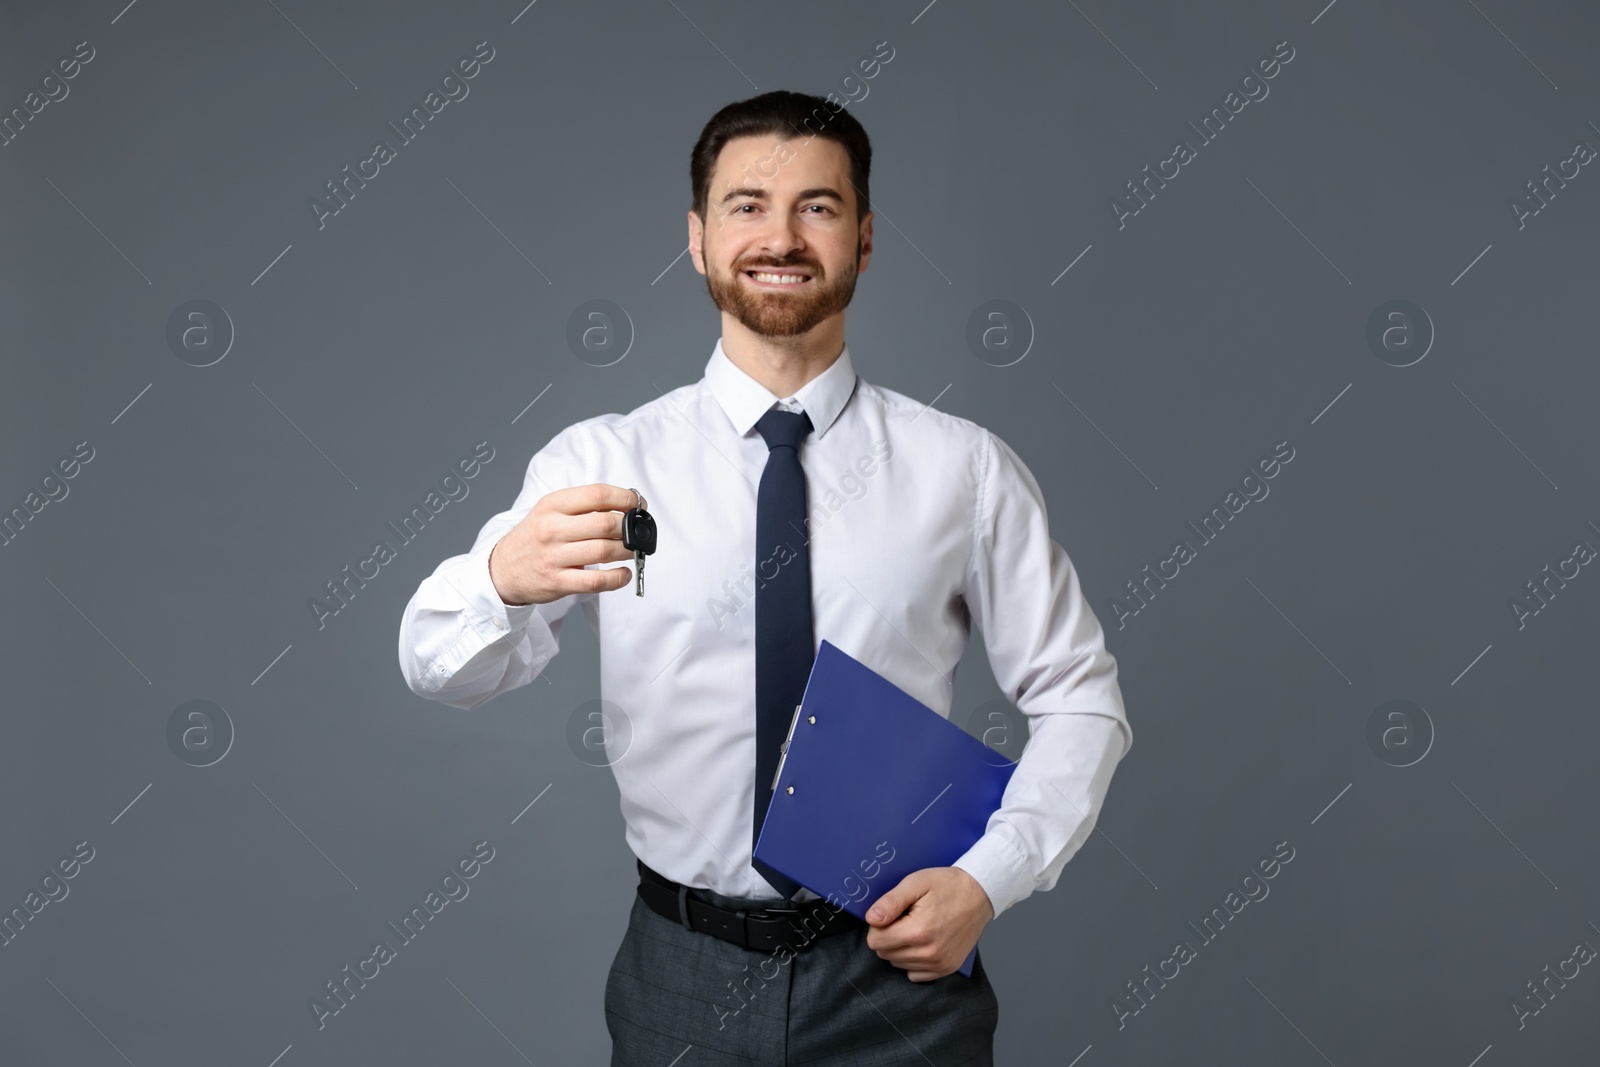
[{"x": 697, "y": 232}]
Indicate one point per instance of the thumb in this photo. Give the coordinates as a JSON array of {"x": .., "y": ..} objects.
[{"x": 625, "y": 575}]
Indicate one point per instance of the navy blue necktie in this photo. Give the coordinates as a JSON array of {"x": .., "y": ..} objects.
[{"x": 784, "y": 644}]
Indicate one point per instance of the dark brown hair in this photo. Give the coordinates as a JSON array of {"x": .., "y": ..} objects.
[{"x": 790, "y": 115}]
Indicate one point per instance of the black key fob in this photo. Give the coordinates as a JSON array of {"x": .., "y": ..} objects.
[{"x": 639, "y": 531}]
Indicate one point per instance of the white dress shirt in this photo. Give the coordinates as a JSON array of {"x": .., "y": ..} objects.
[{"x": 921, "y": 523}]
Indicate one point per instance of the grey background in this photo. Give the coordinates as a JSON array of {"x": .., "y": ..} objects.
[{"x": 1229, "y": 315}]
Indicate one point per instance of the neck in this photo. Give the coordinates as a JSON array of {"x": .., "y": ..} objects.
[{"x": 783, "y": 364}]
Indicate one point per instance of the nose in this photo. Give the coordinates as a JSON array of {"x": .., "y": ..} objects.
[{"x": 781, "y": 236}]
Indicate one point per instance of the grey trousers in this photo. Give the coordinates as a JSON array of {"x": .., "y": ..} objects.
[{"x": 676, "y": 997}]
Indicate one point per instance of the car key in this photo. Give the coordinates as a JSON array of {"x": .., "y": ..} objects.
[{"x": 639, "y": 534}]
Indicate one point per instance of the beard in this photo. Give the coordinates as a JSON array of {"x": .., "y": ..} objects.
[{"x": 772, "y": 313}]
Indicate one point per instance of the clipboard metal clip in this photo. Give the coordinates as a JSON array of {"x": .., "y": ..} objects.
[{"x": 783, "y": 753}]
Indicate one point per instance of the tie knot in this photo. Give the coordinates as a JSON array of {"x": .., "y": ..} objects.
[{"x": 784, "y": 428}]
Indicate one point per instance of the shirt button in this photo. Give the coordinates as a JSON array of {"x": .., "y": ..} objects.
[{"x": 499, "y": 624}]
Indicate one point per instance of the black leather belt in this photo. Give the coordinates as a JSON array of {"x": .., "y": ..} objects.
[{"x": 763, "y": 930}]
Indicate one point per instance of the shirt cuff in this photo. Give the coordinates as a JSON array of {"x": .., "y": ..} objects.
[
  {"x": 484, "y": 598},
  {"x": 1000, "y": 867},
  {"x": 483, "y": 619}
]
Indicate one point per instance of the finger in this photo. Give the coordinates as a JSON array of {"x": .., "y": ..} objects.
[
  {"x": 599, "y": 496},
  {"x": 592, "y": 579},
  {"x": 624, "y": 577},
  {"x": 588, "y": 552},
  {"x": 588, "y": 525},
  {"x": 895, "y": 938}
]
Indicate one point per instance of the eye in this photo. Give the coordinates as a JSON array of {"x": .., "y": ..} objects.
[{"x": 824, "y": 207}]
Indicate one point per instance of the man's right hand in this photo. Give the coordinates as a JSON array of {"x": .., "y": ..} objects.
[{"x": 544, "y": 556}]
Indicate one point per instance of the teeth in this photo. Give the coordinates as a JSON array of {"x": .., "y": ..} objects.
[{"x": 778, "y": 279}]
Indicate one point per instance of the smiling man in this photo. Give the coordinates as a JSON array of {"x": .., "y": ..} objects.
[{"x": 759, "y": 559}]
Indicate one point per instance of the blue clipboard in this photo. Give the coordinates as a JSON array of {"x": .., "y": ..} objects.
[{"x": 872, "y": 785}]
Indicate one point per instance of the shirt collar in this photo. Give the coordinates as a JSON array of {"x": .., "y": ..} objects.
[{"x": 745, "y": 400}]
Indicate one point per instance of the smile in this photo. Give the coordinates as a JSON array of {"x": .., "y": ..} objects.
[{"x": 775, "y": 280}]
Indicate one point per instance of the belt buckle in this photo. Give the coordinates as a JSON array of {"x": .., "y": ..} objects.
[{"x": 790, "y": 916}]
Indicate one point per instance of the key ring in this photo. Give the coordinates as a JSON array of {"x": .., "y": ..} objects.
[{"x": 639, "y": 500}]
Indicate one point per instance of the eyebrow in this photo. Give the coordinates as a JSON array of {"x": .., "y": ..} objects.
[{"x": 761, "y": 194}]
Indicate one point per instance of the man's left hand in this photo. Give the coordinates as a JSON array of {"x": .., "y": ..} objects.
[{"x": 948, "y": 910}]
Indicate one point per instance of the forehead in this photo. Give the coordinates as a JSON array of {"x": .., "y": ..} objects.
[{"x": 778, "y": 163}]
